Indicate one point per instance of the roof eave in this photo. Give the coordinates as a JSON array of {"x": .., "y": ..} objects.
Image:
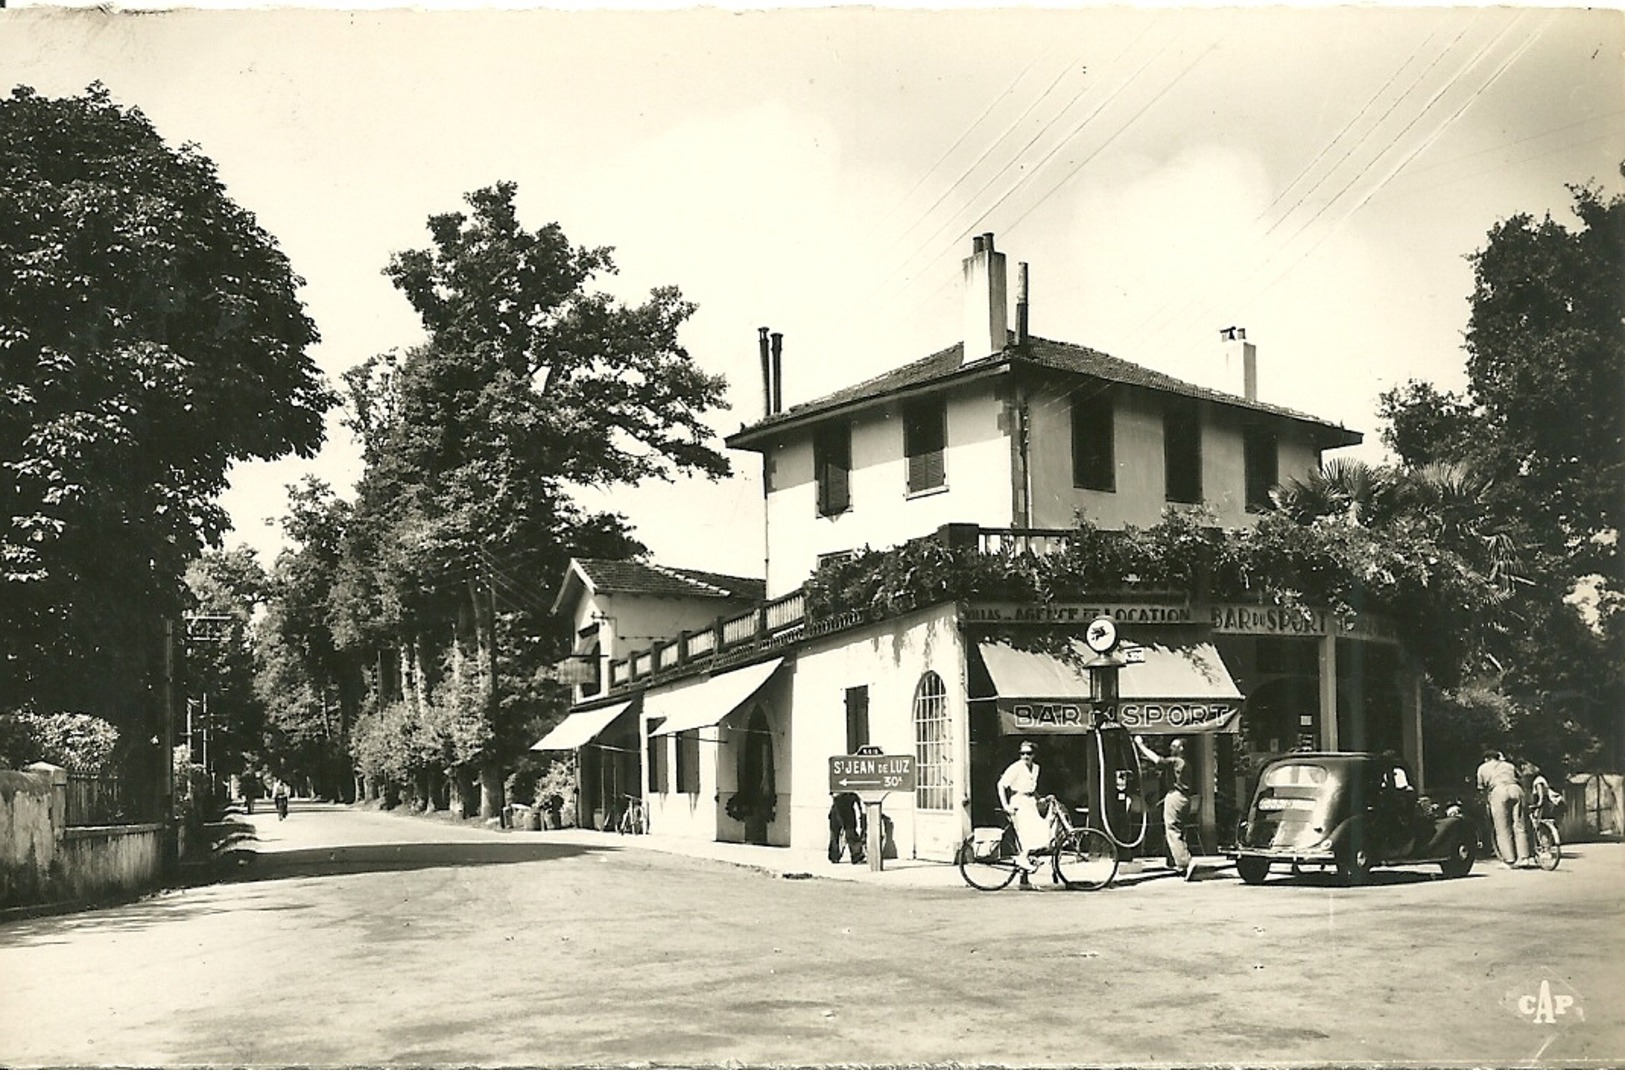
[{"x": 750, "y": 435}]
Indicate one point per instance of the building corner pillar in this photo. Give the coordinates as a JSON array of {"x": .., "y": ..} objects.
[{"x": 1328, "y": 688}]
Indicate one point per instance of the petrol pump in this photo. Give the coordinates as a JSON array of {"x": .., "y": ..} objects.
[{"x": 1113, "y": 776}]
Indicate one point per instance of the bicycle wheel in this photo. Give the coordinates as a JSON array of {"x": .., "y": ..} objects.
[
  {"x": 623, "y": 826},
  {"x": 1548, "y": 847},
  {"x": 985, "y": 872},
  {"x": 1087, "y": 859}
]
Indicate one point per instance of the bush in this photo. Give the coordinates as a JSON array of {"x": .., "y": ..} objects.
[{"x": 73, "y": 740}]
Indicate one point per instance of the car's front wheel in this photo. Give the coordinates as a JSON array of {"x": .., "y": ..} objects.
[
  {"x": 1252, "y": 870},
  {"x": 1460, "y": 860}
]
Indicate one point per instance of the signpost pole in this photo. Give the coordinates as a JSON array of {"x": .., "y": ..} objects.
[{"x": 870, "y": 774}]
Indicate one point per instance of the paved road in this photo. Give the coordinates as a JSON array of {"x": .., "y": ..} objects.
[{"x": 358, "y": 939}]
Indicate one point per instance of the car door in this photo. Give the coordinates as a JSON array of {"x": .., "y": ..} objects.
[{"x": 1394, "y": 814}]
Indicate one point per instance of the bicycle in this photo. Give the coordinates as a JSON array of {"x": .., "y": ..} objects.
[
  {"x": 634, "y": 819},
  {"x": 1548, "y": 843},
  {"x": 1083, "y": 858}
]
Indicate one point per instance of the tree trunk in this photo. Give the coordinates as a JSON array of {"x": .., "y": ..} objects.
[
  {"x": 491, "y": 802},
  {"x": 462, "y": 792}
]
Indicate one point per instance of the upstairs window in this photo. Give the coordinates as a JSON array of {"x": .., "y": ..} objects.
[
  {"x": 925, "y": 440},
  {"x": 1094, "y": 456},
  {"x": 1262, "y": 461},
  {"x": 587, "y": 669},
  {"x": 857, "y": 718},
  {"x": 1182, "y": 451},
  {"x": 832, "y": 468}
]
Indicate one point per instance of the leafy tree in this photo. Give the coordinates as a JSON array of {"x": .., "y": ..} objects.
[
  {"x": 150, "y": 336},
  {"x": 529, "y": 382},
  {"x": 227, "y": 589},
  {"x": 311, "y": 683},
  {"x": 1541, "y": 421}
]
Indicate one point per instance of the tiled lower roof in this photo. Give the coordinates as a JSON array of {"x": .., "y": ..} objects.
[
  {"x": 629, "y": 576},
  {"x": 944, "y": 367}
]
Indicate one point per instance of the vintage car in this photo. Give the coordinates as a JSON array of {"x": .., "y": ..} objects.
[{"x": 1352, "y": 811}]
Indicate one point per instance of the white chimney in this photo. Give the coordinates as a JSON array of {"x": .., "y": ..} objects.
[
  {"x": 986, "y": 311},
  {"x": 1240, "y": 363}
]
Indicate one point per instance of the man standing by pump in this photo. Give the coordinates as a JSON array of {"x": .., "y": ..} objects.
[{"x": 1176, "y": 804}]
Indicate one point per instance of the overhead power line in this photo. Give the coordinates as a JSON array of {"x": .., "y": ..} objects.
[{"x": 994, "y": 103}]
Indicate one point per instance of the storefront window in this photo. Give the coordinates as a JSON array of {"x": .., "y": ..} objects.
[{"x": 933, "y": 745}]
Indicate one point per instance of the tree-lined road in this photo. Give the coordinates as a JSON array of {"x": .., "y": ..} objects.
[{"x": 358, "y": 939}]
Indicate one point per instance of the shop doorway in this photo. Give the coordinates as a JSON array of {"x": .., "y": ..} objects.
[{"x": 757, "y": 781}]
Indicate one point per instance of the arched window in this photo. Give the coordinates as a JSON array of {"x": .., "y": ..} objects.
[{"x": 933, "y": 745}]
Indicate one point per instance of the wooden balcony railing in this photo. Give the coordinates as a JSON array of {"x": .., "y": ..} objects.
[{"x": 781, "y": 622}]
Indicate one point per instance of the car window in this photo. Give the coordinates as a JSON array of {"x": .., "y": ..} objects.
[{"x": 1295, "y": 775}]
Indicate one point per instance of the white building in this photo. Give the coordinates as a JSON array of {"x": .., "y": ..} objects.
[{"x": 1001, "y": 440}]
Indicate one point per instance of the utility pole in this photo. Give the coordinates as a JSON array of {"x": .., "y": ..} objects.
[{"x": 172, "y": 831}]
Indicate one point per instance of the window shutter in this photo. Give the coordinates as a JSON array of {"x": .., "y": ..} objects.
[{"x": 924, "y": 441}]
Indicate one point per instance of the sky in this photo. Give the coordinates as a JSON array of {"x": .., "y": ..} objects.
[{"x": 1318, "y": 176}]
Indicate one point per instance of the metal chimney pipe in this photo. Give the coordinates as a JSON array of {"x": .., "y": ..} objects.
[
  {"x": 1021, "y": 304},
  {"x": 778, "y": 372},
  {"x": 767, "y": 374}
]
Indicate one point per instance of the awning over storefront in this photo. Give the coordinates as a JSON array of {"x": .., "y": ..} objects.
[
  {"x": 580, "y": 728},
  {"x": 1178, "y": 688},
  {"x": 706, "y": 703}
]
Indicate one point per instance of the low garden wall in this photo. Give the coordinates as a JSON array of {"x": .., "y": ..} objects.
[{"x": 44, "y": 861}]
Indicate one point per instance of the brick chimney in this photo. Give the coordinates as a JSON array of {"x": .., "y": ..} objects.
[
  {"x": 986, "y": 306},
  {"x": 1240, "y": 363}
]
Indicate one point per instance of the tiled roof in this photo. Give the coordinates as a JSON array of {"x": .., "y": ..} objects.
[
  {"x": 944, "y": 366},
  {"x": 628, "y": 576}
]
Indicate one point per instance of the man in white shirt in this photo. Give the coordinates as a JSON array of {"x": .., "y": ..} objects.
[
  {"x": 1018, "y": 792},
  {"x": 1503, "y": 794}
]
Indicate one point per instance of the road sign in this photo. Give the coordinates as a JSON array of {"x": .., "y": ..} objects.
[
  {"x": 871, "y": 775},
  {"x": 1132, "y": 654}
]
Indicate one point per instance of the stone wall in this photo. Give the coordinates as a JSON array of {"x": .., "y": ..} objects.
[
  {"x": 27, "y": 837},
  {"x": 44, "y": 861}
]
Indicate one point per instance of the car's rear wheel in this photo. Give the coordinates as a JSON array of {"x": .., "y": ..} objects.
[
  {"x": 1353, "y": 860},
  {"x": 1460, "y": 860},
  {"x": 1252, "y": 870}
]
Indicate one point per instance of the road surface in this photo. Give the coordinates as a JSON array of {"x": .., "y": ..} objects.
[{"x": 355, "y": 939}]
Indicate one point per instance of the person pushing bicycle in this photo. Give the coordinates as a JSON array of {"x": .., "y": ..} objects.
[{"x": 1018, "y": 793}]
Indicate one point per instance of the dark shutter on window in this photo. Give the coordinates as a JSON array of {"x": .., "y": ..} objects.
[
  {"x": 1262, "y": 460},
  {"x": 1182, "y": 451},
  {"x": 924, "y": 441},
  {"x": 1094, "y": 457},
  {"x": 832, "y": 468},
  {"x": 857, "y": 718}
]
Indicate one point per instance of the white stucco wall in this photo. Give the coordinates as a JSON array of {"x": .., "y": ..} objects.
[
  {"x": 889, "y": 659},
  {"x": 1140, "y": 497},
  {"x": 631, "y": 621},
  {"x": 883, "y": 513},
  {"x": 700, "y": 814}
]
